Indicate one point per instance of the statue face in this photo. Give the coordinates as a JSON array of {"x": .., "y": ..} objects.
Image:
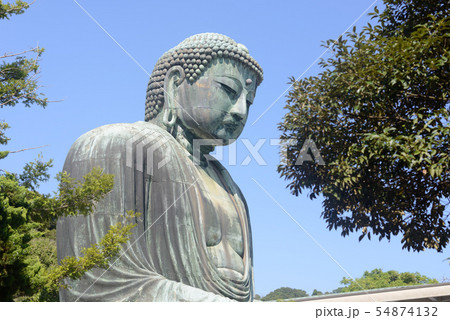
[{"x": 216, "y": 106}]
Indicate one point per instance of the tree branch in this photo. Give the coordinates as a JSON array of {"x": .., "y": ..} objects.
[
  {"x": 377, "y": 117},
  {"x": 7, "y": 55},
  {"x": 28, "y": 149},
  {"x": 421, "y": 96}
]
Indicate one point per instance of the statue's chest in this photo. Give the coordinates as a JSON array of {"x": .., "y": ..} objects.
[{"x": 223, "y": 214}]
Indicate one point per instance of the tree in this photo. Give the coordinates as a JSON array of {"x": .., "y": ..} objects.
[
  {"x": 18, "y": 74},
  {"x": 376, "y": 279},
  {"x": 284, "y": 293},
  {"x": 28, "y": 267},
  {"x": 317, "y": 293},
  {"x": 379, "y": 115}
]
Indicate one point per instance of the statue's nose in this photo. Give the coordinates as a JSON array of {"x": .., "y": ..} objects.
[{"x": 239, "y": 109}]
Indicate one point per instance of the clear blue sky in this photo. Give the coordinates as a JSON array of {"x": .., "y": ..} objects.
[{"x": 99, "y": 84}]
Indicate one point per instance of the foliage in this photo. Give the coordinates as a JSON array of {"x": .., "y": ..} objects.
[
  {"x": 3, "y": 138},
  {"x": 378, "y": 279},
  {"x": 379, "y": 114},
  {"x": 18, "y": 73},
  {"x": 337, "y": 290},
  {"x": 27, "y": 221},
  {"x": 8, "y": 9},
  {"x": 28, "y": 266},
  {"x": 284, "y": 293},
  {"x": 40, "y": 257},
  {"x": 317, "y": 293},
  {"x": 374, "y": 279},
  {"x": 97, "y": 256}
]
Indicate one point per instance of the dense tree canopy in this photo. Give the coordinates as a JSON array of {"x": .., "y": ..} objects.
[
  {"x": 28, "y": 266},
  {"x": 284, "y": 293},
  {"x": 376, "y": 279},
  {"x": 317, "y": 293},
  {"x": 379, "y": 115}
]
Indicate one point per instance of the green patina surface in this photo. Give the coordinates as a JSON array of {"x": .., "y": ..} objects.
[{"x": 193, "y": 240}]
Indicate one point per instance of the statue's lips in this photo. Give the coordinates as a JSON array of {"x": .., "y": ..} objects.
[{"x": 231, "y": 126}]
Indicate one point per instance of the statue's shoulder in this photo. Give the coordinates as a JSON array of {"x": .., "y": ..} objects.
[
  {"x": 118, "y": 132},
  {"x": 111, "y": 140}
]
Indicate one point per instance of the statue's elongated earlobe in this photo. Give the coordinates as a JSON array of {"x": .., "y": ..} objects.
[{"x": 174, "y": 77}]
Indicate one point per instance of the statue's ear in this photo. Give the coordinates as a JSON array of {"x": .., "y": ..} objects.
[{"x": 174, "y": 77}]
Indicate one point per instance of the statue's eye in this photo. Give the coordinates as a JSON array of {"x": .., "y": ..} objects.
[
  {"x": 230, "y": 85},
  {"x": 231, "y": 92}
]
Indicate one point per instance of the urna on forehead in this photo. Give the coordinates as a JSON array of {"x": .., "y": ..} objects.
[{"x": 194, "y": 55}]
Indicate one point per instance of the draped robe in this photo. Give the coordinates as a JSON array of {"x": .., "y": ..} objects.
[{"x": 166, "y": 258}]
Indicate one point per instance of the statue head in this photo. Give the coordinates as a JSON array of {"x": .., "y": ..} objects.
[{"x": 204, "y": 85}]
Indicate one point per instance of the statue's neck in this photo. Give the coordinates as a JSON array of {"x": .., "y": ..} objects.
[
  {"x": 187, "y": 140},
  {"x": 184, "y": 137}
]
